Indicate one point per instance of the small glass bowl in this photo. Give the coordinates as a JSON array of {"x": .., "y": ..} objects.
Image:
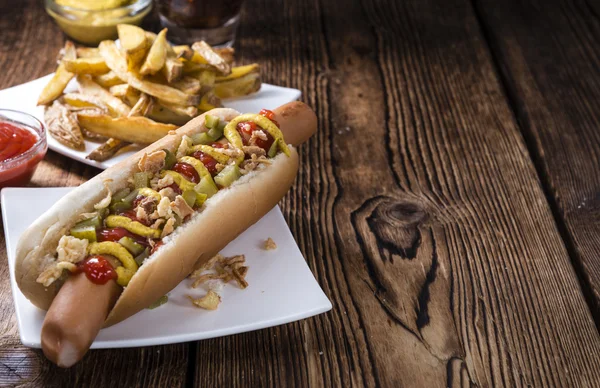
[
  {"x": 17, "y": 171},
  {"x": 92, "y": 27}
]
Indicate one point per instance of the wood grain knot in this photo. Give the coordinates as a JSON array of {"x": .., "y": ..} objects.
[
  {"x": 407, "y": 273},
  {"x": 396, "y": 226}
]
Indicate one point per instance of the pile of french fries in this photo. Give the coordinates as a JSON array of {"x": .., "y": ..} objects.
[{"x": 138, "y": 90}]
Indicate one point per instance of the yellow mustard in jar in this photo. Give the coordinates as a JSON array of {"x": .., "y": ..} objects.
[
  {"x": 92, "y": 21},
  {"x": 94, "y": 5}
]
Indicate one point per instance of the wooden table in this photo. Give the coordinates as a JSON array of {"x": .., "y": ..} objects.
[{"x": 449, "y": 205}]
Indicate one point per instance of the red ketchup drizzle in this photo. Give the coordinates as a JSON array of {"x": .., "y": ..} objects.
[
  {"x": 247, "y": 128},
  {"x": 188, "y": 171},
  {"x": 209, "y": 162},
  {"x": 115, "y": 234},
  {"x": 175, "y": 188},
  {"x": 97, "y": 269},
  {"x": 269, "y": 114}
]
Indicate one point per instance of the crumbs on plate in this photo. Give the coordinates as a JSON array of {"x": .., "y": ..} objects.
[
  {"x": 215, "y": 273},
  {"x": 270, "y": 244}
]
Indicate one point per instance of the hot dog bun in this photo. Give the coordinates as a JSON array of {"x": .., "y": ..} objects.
[{"x": 225, "y": 216}]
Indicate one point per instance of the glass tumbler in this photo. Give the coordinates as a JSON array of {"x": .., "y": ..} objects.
[{"x": 189, "y": 21}]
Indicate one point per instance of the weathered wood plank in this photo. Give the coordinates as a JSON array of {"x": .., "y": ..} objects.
[
  {"x": 289, "y": 44},
  {"x": 549, "y": 54},
  {"x": 29, "y": 44},
  {"x": 418, "y": 209},
  {"x": 457, "y": 155}
]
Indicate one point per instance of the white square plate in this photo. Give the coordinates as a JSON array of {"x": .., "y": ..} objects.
[
  {"x": 24, "y": 98},
  {"x": 281, "y": 287}
]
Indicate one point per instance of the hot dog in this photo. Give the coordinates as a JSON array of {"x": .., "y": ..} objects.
[
  {"x": 65, "y": 336},
  {"x": 139, "y": 228}
]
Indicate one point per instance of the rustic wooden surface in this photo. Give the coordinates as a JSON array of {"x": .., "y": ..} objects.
[
  {"x": 549, "y": 56},
  {"x": 418, "y": 205}
]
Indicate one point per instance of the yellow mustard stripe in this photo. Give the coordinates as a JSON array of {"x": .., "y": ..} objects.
[
  {"x": 183, "y": 183},
  {"x": 148, "y": 192},
  {"x": 235, "y": 138},
  {"x": 231, "y": 134},
  {"x": 124, "y": 273},
  {"x": 134, "y": 227},
  {"x": 198, "y": 166},
  {"x": 208, "y": 150}
]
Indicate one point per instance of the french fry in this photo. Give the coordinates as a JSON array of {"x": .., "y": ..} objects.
[
  {"x": 107, "y": 150},
  {"x": 141, "y": 90},
  {"x": 206, "y": 78},
  {"x": 237, "y": 87},
  {"x": 93, "y": 66},
  {"x": 239, "y": 72},
  {"x": 161, "y": 114},
  {"x": 190, "y": 67},
  {"x": 185, "y": 52},
  {"x": 227, "y": 53},
  {"x": 212, "y": 58},
  {"x": 109, "y": 79},
  {"x": 157, "y": 55},
  {"x": 61, "y": 78},
  {"x": 134, "y": 44},
  {"x": 209, "y": 101},
  {"x": 91, "y": 135},
  {"x": 150, "y": 37},
  {"x": 143, "y": 106},
  {"x": 80, "y": 100},
  {"x": 118, "y": 64},
  {"x": 189, "y": 111},
  {"x": 124, "y": 92},
  {"x": 130, "y": 98},
  {"x": 62, "y": 126},
  {"x": 114, "y": 104},
  {"x": 188, "y": 85},
  {"x": 139, "y": 130},
  {"x": 173, "y": 68},
  {"x": 111, "y": 146},
  {"x": 87, "y": 111},
  {"x": 87, "y": 52}
]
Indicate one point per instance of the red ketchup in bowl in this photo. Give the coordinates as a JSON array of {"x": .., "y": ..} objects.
[
  {"x": 22, "y": 146},
  {"x": 14, "y": 140}
]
